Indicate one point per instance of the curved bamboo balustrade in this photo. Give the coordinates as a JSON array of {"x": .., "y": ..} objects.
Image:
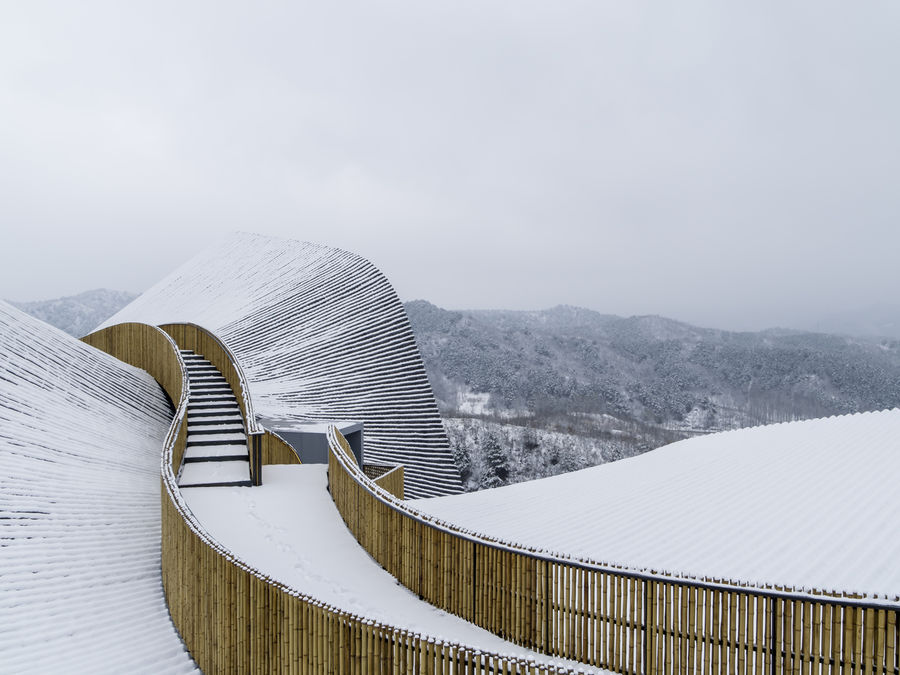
[
  {"x": 391, "y": 481},
  {"x": 265, "y": 447},
  {"x": 607, "y": 617},
  {"x": 233, "y": 618},
  {"x": 198, "y": 339}
]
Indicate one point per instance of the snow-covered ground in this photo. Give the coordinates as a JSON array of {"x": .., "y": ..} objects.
[
  {"x": 289, "y": 529},
  {"x": 808, "y": 505},
  {"x": 80, "y": 441}
]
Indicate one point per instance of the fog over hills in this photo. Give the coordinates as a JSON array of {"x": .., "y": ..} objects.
[{"x": 78, "y": 314}]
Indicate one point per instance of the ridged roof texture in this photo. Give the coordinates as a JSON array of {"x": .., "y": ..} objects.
[
  {"x": 81, "y": 436},
  {"x": 321, "y": 335},
  {"x": 808, "y": 505}
]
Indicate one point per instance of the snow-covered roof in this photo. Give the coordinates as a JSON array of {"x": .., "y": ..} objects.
[
  {"x": 812, "y": 506},
  {"x": 80, "y": 441},
  {"x": 321, "y": 335}
]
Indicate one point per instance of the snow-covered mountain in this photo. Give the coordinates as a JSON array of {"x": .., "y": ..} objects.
[
  {"x": 636, "y": 382},
  {"x": 78, "y": 314},
  {"x": 648, "y": 369}
]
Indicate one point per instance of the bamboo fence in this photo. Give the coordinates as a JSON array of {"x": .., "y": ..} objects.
[
  {"x": 623, "y": 621},
  {"x": 391, "y": 481},
  {"x": 233, "y": 618},
  {"x": 386, "y": 477}
]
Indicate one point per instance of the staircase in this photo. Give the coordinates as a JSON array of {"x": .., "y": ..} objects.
[{"x": 216, "y": 450}]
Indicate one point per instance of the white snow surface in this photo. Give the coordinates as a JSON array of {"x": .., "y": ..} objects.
[
  {"x": 290, "y": 530},
  {"x": 81, "y": 435},
  {"x": 321, "y": 336},
  {"x": 812, "y": 505}
]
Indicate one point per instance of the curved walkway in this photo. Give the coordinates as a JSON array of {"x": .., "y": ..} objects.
[{"x": 289, "y": 529}]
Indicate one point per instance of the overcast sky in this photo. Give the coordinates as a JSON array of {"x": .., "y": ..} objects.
[{"x": 733, "y": 166}]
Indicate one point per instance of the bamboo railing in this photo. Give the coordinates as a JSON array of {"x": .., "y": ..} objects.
[
  {"x": 391, "y": 481},
  {"x": 264, "y": 446},
  {"x": 235, "y": 619},
  {"x": 201, "y": 341},
  {"x": 389, "y": 478},
  {"x": 608, "y": 617}
]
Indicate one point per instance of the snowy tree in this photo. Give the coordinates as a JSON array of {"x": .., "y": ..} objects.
[{"x": 497, "y": 468}]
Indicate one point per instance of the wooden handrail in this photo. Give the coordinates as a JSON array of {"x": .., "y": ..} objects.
[{"x": 626, "y": 621}]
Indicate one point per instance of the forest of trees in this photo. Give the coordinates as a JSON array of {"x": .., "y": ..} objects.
[{"x": 638, "y": 382}]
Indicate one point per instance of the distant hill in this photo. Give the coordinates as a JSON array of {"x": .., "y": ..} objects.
[
  {"x": 876, "y": 320},
  {"x": 78, "y": 314},
  {"x": 577, "y": 371}
]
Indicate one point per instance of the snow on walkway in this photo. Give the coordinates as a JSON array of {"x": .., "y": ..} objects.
[
  {"x": 811, "y": 505},
  {"x": 289, "y": 529},
  {"x": 81, "y": 435}
]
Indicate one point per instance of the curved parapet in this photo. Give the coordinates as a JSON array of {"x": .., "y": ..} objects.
[
  {"x": 80, "y": 439},
  {"x": 321, "y": 336},
  {"x": 265, "y": 446},
  {"x": 620, "y": 619}
]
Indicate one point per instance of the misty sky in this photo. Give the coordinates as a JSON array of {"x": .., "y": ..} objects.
[{"x": 732, "y": 166}]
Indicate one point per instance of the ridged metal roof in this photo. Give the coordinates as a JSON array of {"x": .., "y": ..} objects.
[
  {"x": 811, "y": 505},
  {"x": 321, "y": 336},
  {"x": 80, "y": 440}
]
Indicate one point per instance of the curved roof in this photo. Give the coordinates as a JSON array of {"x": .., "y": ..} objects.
[
  {"x": 810, "y": 505},
  {"x": 321, "y": 336},
  {"x": 80, "y": 439}
]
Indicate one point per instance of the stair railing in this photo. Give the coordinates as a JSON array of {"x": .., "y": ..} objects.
[{"x": 264, "y": 447}]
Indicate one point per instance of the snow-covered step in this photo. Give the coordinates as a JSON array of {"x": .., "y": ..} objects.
[
  {"x": 215, "y": 415},
  {"x": 215, "y": 398},
  {"x": 202, "y": 395},
  {"x": 213, "y": 439},
  {"x": 216, "y": 448},
  {"x": 212, "y": 422},
  {"x": 215, "y": 453},
  {"x": 207, "y": 380},
  {"x": 209, "y": 390},
  {"x": 221, "y": 405},
  {"x": 215, "y": 474},
  {"x": 214, "y": 429},
  {"x": 224, "y": 413}
]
